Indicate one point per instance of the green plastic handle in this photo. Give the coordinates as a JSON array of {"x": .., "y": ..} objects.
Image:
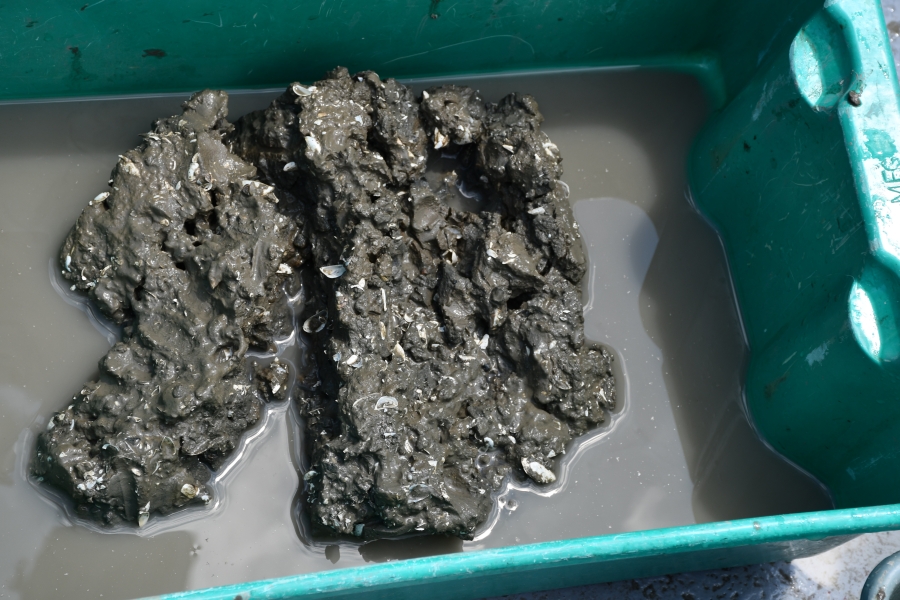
[{"x": 841, "y": 61}]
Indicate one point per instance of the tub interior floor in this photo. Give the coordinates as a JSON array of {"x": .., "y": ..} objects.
[{"x": 680, "y": 450}]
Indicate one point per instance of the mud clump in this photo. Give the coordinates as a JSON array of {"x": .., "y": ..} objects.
[
  {"x": 449, "y": 343},
  {"x": 441, "y": 267},
  {"x": 186, "y": 253}
]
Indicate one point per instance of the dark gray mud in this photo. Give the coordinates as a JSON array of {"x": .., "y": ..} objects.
[
  {"x": 187, "y": 254},
  {"x": 448, "y": 344}
]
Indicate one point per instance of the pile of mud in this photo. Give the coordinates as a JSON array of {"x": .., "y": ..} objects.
[{"x": 441, "y": 267}]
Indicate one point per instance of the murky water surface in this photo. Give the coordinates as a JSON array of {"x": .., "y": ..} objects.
[{"x": 679, "y": 450}]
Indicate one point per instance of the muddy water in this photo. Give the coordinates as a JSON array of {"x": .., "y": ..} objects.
[{"x": 679, "y": 451}]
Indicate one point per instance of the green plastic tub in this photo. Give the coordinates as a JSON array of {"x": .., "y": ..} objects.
[{"x": 797, "y": 167}]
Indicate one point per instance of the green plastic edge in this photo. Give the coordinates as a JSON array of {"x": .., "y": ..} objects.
[{"x": 469, "y": 567}]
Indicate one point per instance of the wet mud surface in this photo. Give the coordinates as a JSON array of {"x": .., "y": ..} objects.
[
  {"x": 187, "y": 255},
  {"x": 440, "y": 265}
]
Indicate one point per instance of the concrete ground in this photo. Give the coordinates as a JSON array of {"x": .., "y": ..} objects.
[{"x": 839, "y": 573}]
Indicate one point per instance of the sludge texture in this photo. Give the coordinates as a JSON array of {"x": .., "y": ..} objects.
[
  {"x": 186, "y": 252},
  {"x": 449, "y": 343},
  {"x": 441, "y": 267}
]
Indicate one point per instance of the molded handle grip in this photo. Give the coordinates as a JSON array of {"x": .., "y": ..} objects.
[{"x": 841, "y": 60}]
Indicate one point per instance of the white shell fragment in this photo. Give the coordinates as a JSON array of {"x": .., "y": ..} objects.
[
  {"x": 309, "y": 475},
  {"x": 315, "y": 323},
  {"x": 189, "y": 490},
  {"x": 284, "y": 269},
  {"x": 489, "y": 442},
  {"x": 129, "y": 167},
  {"x": 538, "y": 472},
  {"x": 399, "y": 352},
  {"x": 386, "y": 402},
  {"x": 144, "y": 515},
  {"x": 192, "y": 170},
  {"x": 333, "y": 271},
  {"x": 491, "y": 253},
  {"x": 353, "y": 358},
  {"x": 509, "y": 148},
  {"x": 291, "y": 166},
  {"x": 303, "y": 90},
  {"x": 100, "y": 197},
  {"x": 440, "y": 140},
  {"x": 483, "y": 344},
  {"x": 313, "y": 144},
  {"x": 537, "y": 211}
]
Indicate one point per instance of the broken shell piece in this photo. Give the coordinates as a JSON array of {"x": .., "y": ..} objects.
[
  {"x": 313, "y": 144},
  {"x": 316, "y": 323},
  {"x": 143, "y": 515},
  {"x": 399, "y": 352},
  {"x": 100, "y": 197},
  {"x": 491, "y": 253},
  {"x": 291, "y": 166},
  {"x": 386, "y": 402},
  {"x": 337, "y": 357},
  {"x": 309, "y": 475},
  {"x": 483, "y": 344},
  {"x": 538, "y": 472},
  {"x": 440, "y": 140},
  {"x": 360, "y": 286},
  {"x": 489, "y": 442},
  {"x": 353, "y": 358},
  {"x": 284, "y": 269},
  {"x": 509, "y": 148},
  {"x": 303, "y": 90},
  {"x": 333, "y": 271},
  {"x": 537, "y": 211},
  {"x": 189, "y": 491}
]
